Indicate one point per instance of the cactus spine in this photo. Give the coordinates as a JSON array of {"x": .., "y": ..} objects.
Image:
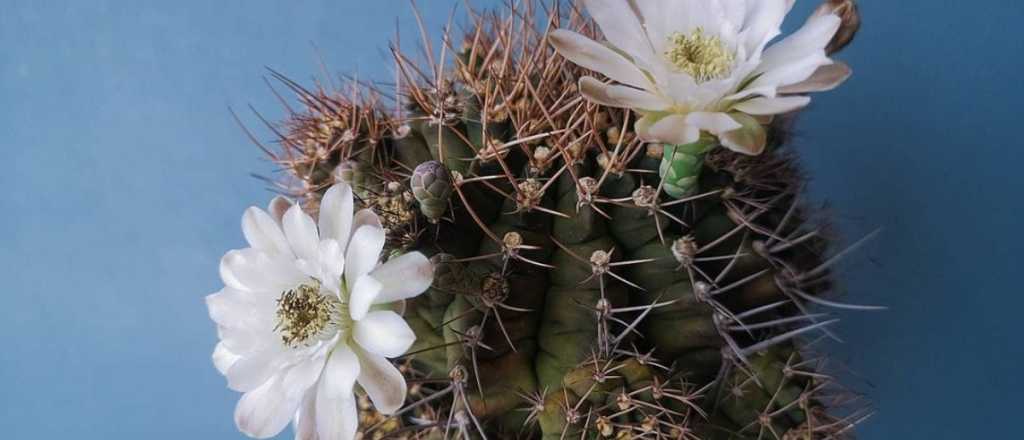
[{"x": 571, "y": 297}]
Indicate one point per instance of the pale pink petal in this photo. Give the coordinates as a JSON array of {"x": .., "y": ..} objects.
[{"x": 223, "y": 358}]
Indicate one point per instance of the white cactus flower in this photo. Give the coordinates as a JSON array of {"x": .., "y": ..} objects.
[
  {"x": 305, "y": 315},
  {"x": 703, "y": 66}
]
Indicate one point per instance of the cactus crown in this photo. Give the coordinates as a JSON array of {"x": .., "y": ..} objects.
[{"x": 572, "y": 297}]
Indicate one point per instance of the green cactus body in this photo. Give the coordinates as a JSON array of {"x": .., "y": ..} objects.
[{"x": 571, "y": 299}]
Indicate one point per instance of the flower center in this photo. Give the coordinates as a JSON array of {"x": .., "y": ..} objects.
[
  {"x": 704, "y": 57},
  {"x": 305, "y": 316}
]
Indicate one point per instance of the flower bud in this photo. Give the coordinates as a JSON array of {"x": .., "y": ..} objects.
[{"x": 431, "y": 186}]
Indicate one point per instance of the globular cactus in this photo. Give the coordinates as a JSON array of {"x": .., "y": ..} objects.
[{"x": 577, "y": 293}]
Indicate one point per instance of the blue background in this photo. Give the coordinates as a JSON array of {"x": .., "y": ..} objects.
[{"x": 124, "y": 180}]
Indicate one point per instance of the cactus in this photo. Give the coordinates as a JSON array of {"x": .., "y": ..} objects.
[{"x": 578, "y": 293}]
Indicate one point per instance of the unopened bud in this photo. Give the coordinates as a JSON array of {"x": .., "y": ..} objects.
[{"x": 431, "y": 186}]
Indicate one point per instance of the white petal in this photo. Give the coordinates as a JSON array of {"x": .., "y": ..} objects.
[
  {"x": 363, "y": 251},
  {"x": 750, "y": 139},
  {"x": 595, "y": 56},
  {"x": 305, "y": 374},
  {"x": 265, "y": 411},
  {"x": 671, "y": 129},
  {"x": 364, "y": 294},
  {"x": 336, "y": 415},
  {"x": 385, "y": 333},
  {"x": 277, "y": 207},
  {"x": 251, "y": 372},
  {"x": 300, "y": 229},
  {"x": 620, "y": 26},
  {"x": 809, "y": 39},
  {"x": 252, "y": 270},
  {"x": 824, "y": 79},
  {"x": 336, "y": 213},
  {"x": 792, "y": 72},
  {"x": 403, "y": 277},
  {"x": 714, "y": 123},
  {"x": 620, "y": 96},
  {"x": 304, "y": 422},
  {"x": 366, "y": 217},
  {"x": 223, "y": 358},
  {"x": 263, "y": 233},
  {"x": 381, "y": 381},
  {"x": 764, "y": 18},
  {"x": 332, "y": 264},
  {"x": 772, "y": 106}
]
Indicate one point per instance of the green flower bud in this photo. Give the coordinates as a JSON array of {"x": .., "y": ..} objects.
[{"x": 432, "y": 186}]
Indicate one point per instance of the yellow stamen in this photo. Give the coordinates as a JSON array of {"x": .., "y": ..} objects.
[
  {"x": 704, "y": 57},
  {"x": 303, "y": 315}
]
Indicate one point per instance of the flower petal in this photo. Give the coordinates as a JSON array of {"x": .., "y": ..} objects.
[
  {"x": 621, "y": 26},
  {"x": 824, "y": 79},
  {"x": 402, "y": 277},
  {"x": 336, "y": 415},
  {"x": 810, "y": 39},
  {"x": 364, "y": 294},
  {"x": 223, "y": 358},
  {"x": 332, "y": 264},
  {"x": 336, "y": 213},
  {"x": 252, "y": 270},
  {"x": 381, "y": 381},
  {"x": 300, "y": 229},
  {"x": 714, "y": 123},
  {"x": 366, "y": 217},
  {"x": 363, "y": 251},
  {"x": 385, "y": 333},
  {"x": 763, "y": 23},
  {"x": 595, "y": 56},
  {"x": 277, "y": 207},
  {"x": 252, "y": 371},
  {"x": 772, "y": 106},
  {"x": 750, "y": 140},
  {"x": 620, "y": 96},
  {"x": 671, "y": 129},
  {"x": 265, "y": 411},
  {"x": 263, "y": 233},
  {"x": 304, "y": 422}
]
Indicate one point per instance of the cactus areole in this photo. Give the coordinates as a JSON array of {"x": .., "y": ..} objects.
[{"x": 589, "y": 281}]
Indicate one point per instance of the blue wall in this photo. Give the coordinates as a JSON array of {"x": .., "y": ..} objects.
[{"x": 125, "y": 179}]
